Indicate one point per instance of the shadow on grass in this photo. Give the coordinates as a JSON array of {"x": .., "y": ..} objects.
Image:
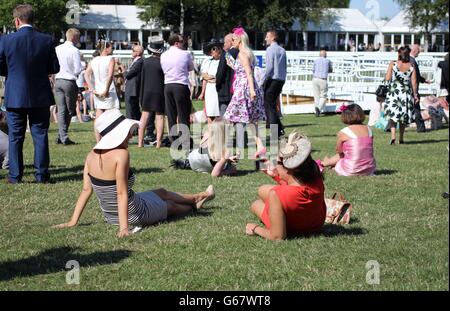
[
  {"x": 54, "y": 260},
  {"x": 427, "y": 141},
  {"x": 298, "y": 125},
  {"x": 324, "y": 135},
  {"x": 199, "y": 213},
  {"x": 385, "y": 172},
  {"x": 330, "y": 230}
]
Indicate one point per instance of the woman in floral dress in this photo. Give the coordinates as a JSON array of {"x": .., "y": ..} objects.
[
  {"x": 402, "y": 93},
  {"x": 247, "y": 103}
]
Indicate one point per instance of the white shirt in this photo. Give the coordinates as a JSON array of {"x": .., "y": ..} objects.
[{"x": 69, "y": 61}]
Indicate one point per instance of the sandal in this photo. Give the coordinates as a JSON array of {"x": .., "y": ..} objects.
[{"x": 212, "y": 195}]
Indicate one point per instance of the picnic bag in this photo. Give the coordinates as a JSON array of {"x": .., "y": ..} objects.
[{"x": 338, "y": 210}]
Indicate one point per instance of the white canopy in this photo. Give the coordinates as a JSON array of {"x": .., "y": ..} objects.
[
  {"x": 341, "y": 20},
  {"x": 113, "y": 17},
  {"x": 400, "y": 24}
]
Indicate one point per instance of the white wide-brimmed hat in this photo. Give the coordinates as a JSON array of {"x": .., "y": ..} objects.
[
  {"x": 295, "y": 151},
  {"x": 114, "y": 128}
]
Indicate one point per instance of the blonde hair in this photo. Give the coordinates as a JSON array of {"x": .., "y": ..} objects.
[
  {"x": 72, "y": 33},
  {"x": 216, "y": 140},
  {"x": 246, "y": 46}
]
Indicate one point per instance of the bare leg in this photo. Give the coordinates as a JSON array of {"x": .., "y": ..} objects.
[
  {"x": 263, "y": 192},
  {"x": 257, "y": 208},
  {"x": 143, "y": 123},
  {"x": 159, "y": 129},
  {"x": 331, "y": 162},
  {"x": 393, "y": 130},
  {"x": 402, "y": 132},
  {"x": 253, "y": 127},
  {"x": 177, "y": 210},
  {"x": 180, "y": 198},
  {"x": 78, "y": 111}
]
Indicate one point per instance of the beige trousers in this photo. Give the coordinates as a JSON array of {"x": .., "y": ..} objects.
[{"x": 320, "y": 90}]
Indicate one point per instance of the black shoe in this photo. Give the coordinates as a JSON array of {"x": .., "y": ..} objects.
[
  {"x": 445, "y": 195},
  {"x": 392, "y": 142},
  {"x": 69, "y": 142},
  {"x": 12, "y": 182},
  {"x": 58, "y": 141},
  {"x": 317, "y": 112}
]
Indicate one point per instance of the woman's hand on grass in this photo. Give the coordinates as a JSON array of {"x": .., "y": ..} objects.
[{"x": 250, "y": 229}]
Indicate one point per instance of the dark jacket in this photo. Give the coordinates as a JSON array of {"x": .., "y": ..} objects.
[
  {"x": 133, "y": 78},
  {"x": 419, "y": 78},
  {"x": 444, "y": 75},
  {"x": 224, "y": 77},
  {"x": 27, "y": 58}
]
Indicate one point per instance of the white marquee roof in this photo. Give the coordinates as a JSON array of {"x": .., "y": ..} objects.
[
  {"x": 113, "y": 17},
  {"x": 400, "y": 24},
  {"x": 341, "y": 20}
]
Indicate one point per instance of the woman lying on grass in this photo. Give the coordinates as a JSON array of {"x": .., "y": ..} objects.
[
  {"x": 297, "y": 204},
  {"x": 107, "y": 172}
]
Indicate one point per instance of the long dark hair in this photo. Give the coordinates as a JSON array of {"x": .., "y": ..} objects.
[
  {"x": 403, "y": 54},
  {"x": 307, "y": 171}
]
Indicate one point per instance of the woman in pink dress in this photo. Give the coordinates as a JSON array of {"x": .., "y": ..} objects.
[
  {"x": 354, "y": 146},
  {"x": 247, "y": 103}
]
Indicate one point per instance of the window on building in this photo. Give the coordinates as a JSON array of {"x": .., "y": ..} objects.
[
  {"x": 407, "y": 40},
  {"x": 397, "y": 39}
]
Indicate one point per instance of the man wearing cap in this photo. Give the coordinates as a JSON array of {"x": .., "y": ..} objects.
[
  {"x": 321, "y": 68},
  {"x": 176, "y": 64},
  {"x": 276, "y": 64},
  {"x": 133, "y": 83},
  {"x": 28, "y": 57}
]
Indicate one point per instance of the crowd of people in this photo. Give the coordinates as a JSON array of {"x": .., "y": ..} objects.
[{"x": 159, "y": 86}]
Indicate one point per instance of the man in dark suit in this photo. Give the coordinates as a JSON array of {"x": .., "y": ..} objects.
[
  {"x": 133, "y": 83},
  {"x": 27, "y": 58},
  {"x": 420, "y": 124},
  {"x": 224, "y": 76}
]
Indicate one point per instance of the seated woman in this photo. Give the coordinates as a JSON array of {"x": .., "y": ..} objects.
[
  {"x": 107, "y": 172},
  {"x": 354, "y": 147},
  {"x": 297, "y": 204},
  {"x": 212, "y": 156}
]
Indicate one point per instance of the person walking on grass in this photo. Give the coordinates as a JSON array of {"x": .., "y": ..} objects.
[
  {"x": 28, "y": 57},
  {"x": 107, "y": 173},
  {"x": 321, "y": 68},
  {"x": 66, "y": 89}
]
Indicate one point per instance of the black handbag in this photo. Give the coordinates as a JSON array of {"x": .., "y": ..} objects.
[{"x": 381, "y": 91}]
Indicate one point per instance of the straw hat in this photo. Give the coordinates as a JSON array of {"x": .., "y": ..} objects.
[
  {"x": 114, "y": 128},
  {"x": 295, "y": 151},
  {"x": 156, "y": 45}
]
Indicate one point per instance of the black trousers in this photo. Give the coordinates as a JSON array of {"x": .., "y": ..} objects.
[
  {"x": 272, "y": 90},
  {"x": 420, "y": 124},
  {"x": 133, "y": 111},
  {"x": 178, "y": 105}
]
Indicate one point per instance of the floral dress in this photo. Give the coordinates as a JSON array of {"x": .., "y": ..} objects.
[
  {"x": 398, "y": 106},
  {"x": 241, "y": 108}
]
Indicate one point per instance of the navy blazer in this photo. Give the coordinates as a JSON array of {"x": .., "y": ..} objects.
[{"x": 27, "y": 58}]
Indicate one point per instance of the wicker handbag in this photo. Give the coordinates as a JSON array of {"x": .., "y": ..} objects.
[{"x": 338, "y": 210}]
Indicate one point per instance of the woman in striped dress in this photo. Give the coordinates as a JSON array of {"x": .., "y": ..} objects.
[{"x": 107, "y": 173}]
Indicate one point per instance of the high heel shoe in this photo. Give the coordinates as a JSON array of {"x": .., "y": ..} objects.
[
  {"x": 392, "y": 142},
  {"x": 261, "y": 153}
]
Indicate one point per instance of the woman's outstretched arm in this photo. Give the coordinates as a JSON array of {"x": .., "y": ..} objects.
[
  {"x": 122, "y": 169},
  {"x": 83, "y": 198}
]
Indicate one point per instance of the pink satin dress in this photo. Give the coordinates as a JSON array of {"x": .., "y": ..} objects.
[{"x": 358, "y": 157}]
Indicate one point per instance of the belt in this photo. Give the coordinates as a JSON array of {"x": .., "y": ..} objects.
[{"x": 320, "y": 78}]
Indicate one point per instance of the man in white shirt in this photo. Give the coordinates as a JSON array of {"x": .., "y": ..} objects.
[{"x": 66, "y": 89}]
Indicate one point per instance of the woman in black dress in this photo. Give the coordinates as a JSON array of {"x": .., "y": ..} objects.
[{"x": 152, "y": 90}]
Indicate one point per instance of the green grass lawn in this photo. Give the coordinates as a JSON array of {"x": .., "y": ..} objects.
[{"x": 400, "y": 220}]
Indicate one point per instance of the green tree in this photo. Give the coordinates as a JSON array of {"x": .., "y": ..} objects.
[
  {"x": 50, "y": 15},
  {"x": 212, "y": 16},
  {"x": 425, "y": 15}
]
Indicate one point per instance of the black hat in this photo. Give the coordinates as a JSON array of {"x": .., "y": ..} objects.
[
  {"x": 156, "y": 45},
  {"x": 212, "y": 43}
]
